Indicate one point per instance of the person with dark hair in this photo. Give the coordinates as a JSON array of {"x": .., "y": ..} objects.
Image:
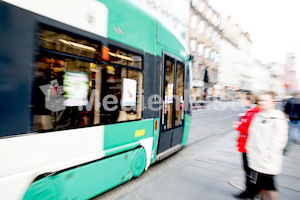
[
  {"x": 249, "y": 101},
  {"x": 268, "y": 135},
  {"x": 292, "y": 109}
]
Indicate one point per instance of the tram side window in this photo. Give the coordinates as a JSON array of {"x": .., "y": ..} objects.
[
  {"x": 71, "y": 90},
  {"x": 68, "y": 93},
  {"x": 122, "y": 57},
  {"x": 56, "y": 41},
  {"x": 125, "y": 86},
  {"x": 62, "y": 90}
]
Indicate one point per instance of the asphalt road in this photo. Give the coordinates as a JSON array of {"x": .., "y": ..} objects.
[
  {"x": 208, "y": 125},
  {"x": 214, "y": 120}
]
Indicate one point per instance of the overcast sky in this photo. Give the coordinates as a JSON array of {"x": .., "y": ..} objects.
[{"x": 273, "y": 25}]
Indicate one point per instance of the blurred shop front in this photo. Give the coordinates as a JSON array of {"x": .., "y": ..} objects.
[
  {"x": 197, "y": 90},
  {"x": 228, "y": 93}
]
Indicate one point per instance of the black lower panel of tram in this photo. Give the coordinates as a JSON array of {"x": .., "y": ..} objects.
[
  {"x": 177, "y": 136},
  {"x": 164, "y": 142}
]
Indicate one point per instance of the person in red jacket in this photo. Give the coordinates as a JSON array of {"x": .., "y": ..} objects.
[{"x": 249, "y": 101}]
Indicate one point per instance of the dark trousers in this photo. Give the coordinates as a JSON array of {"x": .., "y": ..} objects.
[
  {"x": 250, "y": 191},
  {"x": 245, "y": 163}
]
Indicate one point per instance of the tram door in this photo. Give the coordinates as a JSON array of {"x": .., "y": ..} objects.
[{"x": 172, "y": 116}]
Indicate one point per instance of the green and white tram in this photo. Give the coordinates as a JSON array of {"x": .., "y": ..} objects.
[{"x": 91, "y": 94}]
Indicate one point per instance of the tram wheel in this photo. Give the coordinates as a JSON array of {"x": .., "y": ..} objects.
[{"x": 139, "y": 160}]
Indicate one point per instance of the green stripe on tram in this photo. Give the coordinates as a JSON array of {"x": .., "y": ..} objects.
[
  {"x": 116, "y": 135},
  {"x": 89, "y": 180}
]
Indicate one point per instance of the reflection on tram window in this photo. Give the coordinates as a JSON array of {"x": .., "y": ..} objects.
[
  {"x": 67, "y": 93},
  {"x": 62, "y": 42},
  {"x": 71, "y": 91},
  {"x": 126, "y": 86},
  {"x": 121, "y": 57},
  {"x": 62, "y": 86},
  {"x": 57, "y": 41}
]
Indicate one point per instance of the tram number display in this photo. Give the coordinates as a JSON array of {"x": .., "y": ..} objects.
[{"x": 139, "y": 133}]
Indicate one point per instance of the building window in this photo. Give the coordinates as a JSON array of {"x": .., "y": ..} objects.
[
  {"x": 212, "y": 55},
  {"x": 201, "y": 7},
  {"x": 200, "y": 49},
  {"x": 194, "y": 22},
  {"x": 218, "y": 39},
  {"x": 206, "y": 52},
  {"x": 217, "y": 21},
  {"x": 208, "y": 32},
  {"x": 214, "y": 20},
  {"x": 193, "y": 45},
  {"x": 208, "y": 14},
  {"x": 214, "y": 38},
  {"x": 201, "y": 27},
  {"x": 217, "y": 58},
  {"x": 194, "y": 2}
]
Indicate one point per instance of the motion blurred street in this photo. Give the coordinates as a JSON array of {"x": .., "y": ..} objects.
[
  {"x": 149, "y": 100},
  {"x": 205, "y": 167}
]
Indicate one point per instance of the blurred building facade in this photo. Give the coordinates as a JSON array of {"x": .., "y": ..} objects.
[
  {"x": 290, "y": 79},
  {"x": 261, "y": 77},
  {"x": 205, "y": 37},
  {"x": 228, "y": 79},
  {"x": 223, "y": 63},
  {"x": 277, "y": 83},
  {"x": 236, "y": 60}
]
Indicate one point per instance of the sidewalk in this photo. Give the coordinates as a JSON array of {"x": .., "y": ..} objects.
[{"x": 205, "y": 174}]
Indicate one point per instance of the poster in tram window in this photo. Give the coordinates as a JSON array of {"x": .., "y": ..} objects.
[
  {"x": 170, "y": 93},
  {"x": 76, "y": 88},
  {"x": 129, "y": 92}
]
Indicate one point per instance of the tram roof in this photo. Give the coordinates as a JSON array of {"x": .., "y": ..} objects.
[{"x": 134, "y": 25}]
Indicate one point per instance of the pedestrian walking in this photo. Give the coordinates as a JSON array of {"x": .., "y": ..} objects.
[
  {"x": 204, "y": 96},
  {"x": 292, "y": 109},
  {"x": 249, "y": 102},
  {"x": 268, "y": 135}
]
